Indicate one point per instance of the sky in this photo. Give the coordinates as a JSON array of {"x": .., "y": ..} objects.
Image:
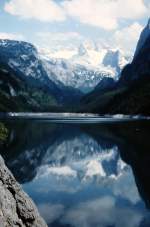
[{"x": 64, "y": 24}]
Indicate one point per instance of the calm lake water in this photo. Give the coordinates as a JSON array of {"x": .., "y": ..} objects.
[{"x": 91, "y": 175}]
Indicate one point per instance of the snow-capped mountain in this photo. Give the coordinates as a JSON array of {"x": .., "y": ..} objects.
[
  {"x": 83, "y": 70},
  {"x": 114, "y": 59},
  {"x": 86, "y": 68},
  {"x": 24, "y": 60},
  {"x": 22, "y": 56},
  {"x": 77, "y": 76},
  {"x": 101, "y": 58}
]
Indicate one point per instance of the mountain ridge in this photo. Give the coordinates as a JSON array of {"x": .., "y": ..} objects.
[
  {"x": 21, "y": 61},
  {"x": 131, "y": 94},
  {"x": 79, "y": 70}
]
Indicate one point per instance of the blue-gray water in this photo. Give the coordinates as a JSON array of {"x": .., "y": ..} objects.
[{"x": 90, "y": 175}]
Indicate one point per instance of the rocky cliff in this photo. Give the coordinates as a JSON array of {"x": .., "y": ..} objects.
[{"x": 16, "y": 208}]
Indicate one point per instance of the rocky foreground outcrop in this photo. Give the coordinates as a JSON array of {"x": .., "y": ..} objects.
[{"x": 16, "y": 208}]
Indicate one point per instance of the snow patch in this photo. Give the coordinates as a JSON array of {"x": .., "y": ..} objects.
[{"x": 94, "y": 168}]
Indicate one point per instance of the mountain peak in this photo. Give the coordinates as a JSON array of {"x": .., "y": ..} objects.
[{"x": 114, "y": 58}]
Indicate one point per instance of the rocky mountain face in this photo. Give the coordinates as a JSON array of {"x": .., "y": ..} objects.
[
  {"x": 16, "y": 94},
  {"x": 17, "y": 209},
  {"x": 22, "y": 57},
  {"x": 131, "y": 94},
  {"x": 115, "y": 59},
  {"x": 86, "y": 68},
  {"x": 140, "y": 66},
  {"x": 36, "y": 82},
  {"x": 24, "y": 80},
  {"x": 32, "y": 81},
  {"x": 74, "y": 75}
]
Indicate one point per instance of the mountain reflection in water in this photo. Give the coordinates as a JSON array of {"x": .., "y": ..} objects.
[{"x": 83, "y": 175}]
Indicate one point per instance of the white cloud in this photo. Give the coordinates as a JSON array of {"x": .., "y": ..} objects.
[
  {"x": 42, "y": 10},
  {"x": 57, "y": 36},
  {"x": 101, "y": 13},
  {"x": 105, "y": 13},
  {"x": 59, "y": 40},
  {"x": 65, "y": 44},
  {"x": 127, "y": 37},
  {"x": 11, "y": 36}
]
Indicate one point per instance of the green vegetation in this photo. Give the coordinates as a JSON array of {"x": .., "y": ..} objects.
[
  {"x": 97, "y": 103},
  {"x": 25, "y": 97},
  {"x": 132, "y": 99},
  {"x": 3, "y": 133}
]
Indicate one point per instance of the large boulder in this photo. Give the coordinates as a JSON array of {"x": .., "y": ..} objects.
[{"x": 16, "y": 208}]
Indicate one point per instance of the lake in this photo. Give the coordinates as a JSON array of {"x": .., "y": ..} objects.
[{"x": 83, "y": 175}]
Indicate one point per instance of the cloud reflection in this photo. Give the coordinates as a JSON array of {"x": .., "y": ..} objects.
[
  {"x": 102, "y": 212},
  {"x": 51, "y": 212}
]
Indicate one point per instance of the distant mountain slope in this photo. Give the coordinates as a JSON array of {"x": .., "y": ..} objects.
[
  {"x": 131, "y": 94},
  {"x": 51, "y": 84},
  {"x": 105, "y": 84},
  {"x": 16, "y": 94},
  {"x": 86, "y": 68},
  {"x": 74, "y": 75},
  {"x": 23, "y": 59}
]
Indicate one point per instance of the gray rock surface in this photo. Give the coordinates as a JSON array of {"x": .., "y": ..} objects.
[{"x": 16, "y": 208}]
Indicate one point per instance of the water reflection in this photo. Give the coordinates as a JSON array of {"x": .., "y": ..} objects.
[{"x": 83, "y": 175}]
